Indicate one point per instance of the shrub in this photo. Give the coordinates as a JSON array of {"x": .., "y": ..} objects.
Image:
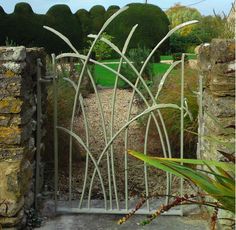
[
  {"x": 110, "y": 11},
  {"x": 153, "y": 26},
  {"x": 97, "y": 14},
  {"x": 61, "y": 18},
  {"x": 178, "y": 56},
  {"x": 21, "y": 25},
  {"x": 3, "y": 25},
  {"x": 101, "y": 49},
  {"x": 83, "y": 18},
  {"x": 137, "y": 56}
]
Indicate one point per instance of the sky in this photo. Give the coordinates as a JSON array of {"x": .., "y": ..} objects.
[{"x": 205, "y": 7}]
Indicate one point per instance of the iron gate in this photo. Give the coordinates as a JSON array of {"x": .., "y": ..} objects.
[{"x": 111, "y": 202}]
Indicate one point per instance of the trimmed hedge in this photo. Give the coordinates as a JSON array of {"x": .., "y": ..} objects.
[
  {"x": 61, "y": 18},
  {"x": 24, "y": 27},
  {"x": 83, "y": 18},
  {"x": 97, "y": 14},
  {"x": 153, "y": 25},
  {"x": 110, "y": 11}
]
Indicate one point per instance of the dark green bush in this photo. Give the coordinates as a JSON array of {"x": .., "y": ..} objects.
[
  {"x": 178, "y": 56},
  {"x": 97, "y": 14},
  {"x": 153, "y": 26},
  {"x": 3, "y": 26},
  {"x": 110, "y": 11},
  {"x": 183, "y": 43},
  {"x": 21, "y": 25},
  {"x": 137, "y": 56},
  {"x": 26, "y": 28},
  {"x": 61, "y": 18},
  {"x": 83, "y": 18},
  {"x": 23, "y": 8}
]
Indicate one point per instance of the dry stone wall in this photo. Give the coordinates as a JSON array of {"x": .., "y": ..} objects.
[
  {"x": 18, "y": 80},
  {"x": 217, "y": 67}
]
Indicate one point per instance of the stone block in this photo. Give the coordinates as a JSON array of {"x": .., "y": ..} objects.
[
  {"x": 222, "y": 79},
  {"x": 225, "y": 70},
  {"x": 222, "y": 50},
  {"x": 219, "y": 106},
  {"x": 12, "y": 153},
  {"x": 5, "y": 120},
  {"x": 32, "y": 54},
  {"x": 10, "y": 105},
  {"x": 213, "y": 146},
  {"x": 10, "y": 86},
  {"x": 10, "y": 135},
  {"x": 11, "y": 69},
  {"x": 204, "y": 62},
  {"x": 13, "y": 53},
  {"x": 9, "y": 223},
  {"x": 219, "y": 126},
  {"x": 14, "y": 182}
]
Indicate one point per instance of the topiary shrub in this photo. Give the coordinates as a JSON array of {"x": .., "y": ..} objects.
[
  {"x": 21, "y": 25},
  {"x": 110, "y": 11},
  {"x": 178, "y": 56},
  {"x": 153, "y": 26},
  {"x": 3, "y": 25},
  {"x": 23, "y": 8},
  {"x": 83, "y": 18},
  {"x": 137, "y": 56},
  {"x": 61, "y": 18},
  {"x": 97, "y": 14}
]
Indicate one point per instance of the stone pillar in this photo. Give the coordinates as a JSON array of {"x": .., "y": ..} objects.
[
  {"x": 17, "y": 131},
  {"x": 217, "y": 66}
]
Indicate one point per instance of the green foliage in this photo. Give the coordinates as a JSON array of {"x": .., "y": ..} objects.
[
  {"x": 9, "y": 42},
  {"x": 137, "y": 56},
  {"x": 110, "y": 11},
  {"x": 183, "y": 44},
  {"x": 179, "y": 14},
  {"x": 171, "y": 94},
  {"x": 61, "y": 18},
  {"x": 217, "y": 180},
  {"x": 152, "y": 26},
  {"x": 216, "y": 26},
  {"x": 26, "y": 28},
  {"x": 101, "y": 49},
  {"x": 178, "y": 56},
  {"x": 209, "y": 27},
  {"x": 97, "y": 14},
  {"x": 23, "y": 8},
  {"x": 83, "y": 18}
]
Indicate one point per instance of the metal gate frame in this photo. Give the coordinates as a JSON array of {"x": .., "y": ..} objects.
[{"x": 183, "y": 108}]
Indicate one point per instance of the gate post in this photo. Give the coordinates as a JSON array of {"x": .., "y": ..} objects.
[
  {"x": 217, "y": 67},
  {"x": 18, "y": 77}
]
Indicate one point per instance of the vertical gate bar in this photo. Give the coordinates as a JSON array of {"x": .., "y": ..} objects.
[
  {"x": 182, "y": 122},
  {"x": 113, "y": 111},
  {"x": 38, "y": 134},
  {"x": 105, "y": 138},
  {"x": 87, "y": 153},
  {"x": 111, "y": 133},
  {"x": 126, "y": 170},
  {"x": 200, "y": 114},
  {"x": 145, "y": 165},
  {"x": 109, "y": 178},
  {"x": 55, "y": 133}
]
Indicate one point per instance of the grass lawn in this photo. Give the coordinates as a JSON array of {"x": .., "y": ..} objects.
[
  {"x": 106, "y": 78},
  {"x": 170, "y": 57}
]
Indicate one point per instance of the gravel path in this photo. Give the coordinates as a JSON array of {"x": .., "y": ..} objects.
[{"x": 136, "y": 184}]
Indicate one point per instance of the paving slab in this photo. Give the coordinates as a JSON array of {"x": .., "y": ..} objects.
[{"x": 196, "y": 221}]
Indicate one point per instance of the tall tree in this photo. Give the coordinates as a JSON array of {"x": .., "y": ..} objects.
[{"x": 178, "y": 14}]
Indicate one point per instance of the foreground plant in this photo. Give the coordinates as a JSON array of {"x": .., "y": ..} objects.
[{"x": 216, "y": 179}]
